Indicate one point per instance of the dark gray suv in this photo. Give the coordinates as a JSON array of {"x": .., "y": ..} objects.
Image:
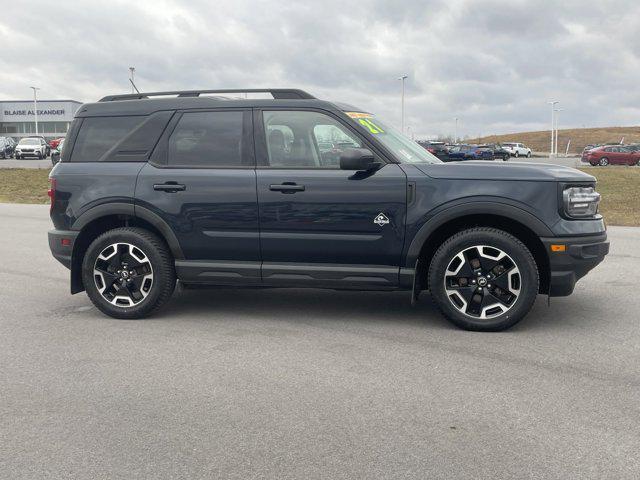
[{"x": 298, "y": 192}]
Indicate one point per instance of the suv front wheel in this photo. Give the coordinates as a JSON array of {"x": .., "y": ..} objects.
[
  {"x": 128, "y": 273},
  {"x": 483, "y": 279}
]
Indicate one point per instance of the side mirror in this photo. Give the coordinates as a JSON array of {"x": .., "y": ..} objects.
[{"x": 360, "y": 159}]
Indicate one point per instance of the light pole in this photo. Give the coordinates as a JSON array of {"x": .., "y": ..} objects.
[
  {"x": 455, "y": 134},
  {"x": 557, "y": 111},
  {"x": 402, "y": 79},
  {"x": 132, "y": 71},
  {"x": 35, "y": 105},
  {"x": 553, "y": 104}
]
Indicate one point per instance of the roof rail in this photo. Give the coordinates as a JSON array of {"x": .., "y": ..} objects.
[{"x": 278, "y": 93}]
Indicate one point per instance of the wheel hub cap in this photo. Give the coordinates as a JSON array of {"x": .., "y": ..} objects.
[
  {"x": 482, "y": 282},
  {"x": 123, "y": 274}
]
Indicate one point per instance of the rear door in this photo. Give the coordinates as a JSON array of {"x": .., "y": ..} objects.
[
  {"x": 201, "y": 181},
  {"x": 319, "y": 225}
]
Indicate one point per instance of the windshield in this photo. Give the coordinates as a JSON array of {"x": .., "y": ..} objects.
[
  {"x": 29, "y": 141},
  {"x": 404, "y": 149}
]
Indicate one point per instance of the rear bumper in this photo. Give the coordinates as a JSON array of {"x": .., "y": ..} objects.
[
  {"x": 581, "y": 255},
  {"x": 61, "y": 245}
]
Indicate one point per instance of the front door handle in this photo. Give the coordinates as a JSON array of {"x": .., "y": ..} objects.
[
  {"x": 287, "y": 187},
  {"x": 169, "y": 187}
]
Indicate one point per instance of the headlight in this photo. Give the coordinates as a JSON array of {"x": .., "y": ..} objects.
[{"x": 581, "y": 202}]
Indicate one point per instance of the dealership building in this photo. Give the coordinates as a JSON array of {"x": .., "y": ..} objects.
[{"x": 17, "y": 118}]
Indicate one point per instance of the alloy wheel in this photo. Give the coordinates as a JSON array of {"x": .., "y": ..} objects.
[
  {"x": 123, "y": 274},
  {"x": 482, "y": 282},
  {"x": 604, "y": 161}
]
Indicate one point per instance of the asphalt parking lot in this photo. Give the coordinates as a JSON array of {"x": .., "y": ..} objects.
[{"x": 312, "y": 384}]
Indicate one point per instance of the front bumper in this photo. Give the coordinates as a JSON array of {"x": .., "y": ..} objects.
[
  {"x": 30, "y": 154},
  {"x": 61, "y": 245},
  {"x": 581, "y": 254}
]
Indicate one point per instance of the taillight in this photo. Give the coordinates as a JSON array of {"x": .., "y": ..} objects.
[
  {"x": 431, "y": 150},
  {"x": 52, "y": 192}
]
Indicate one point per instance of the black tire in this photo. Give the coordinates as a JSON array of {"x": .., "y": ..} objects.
[
  {"x": 159, "y": 257},
  {"x": 517, "y": 154},
  {"x": 603, "y": 162},
  {"x": 528, "y": 154},
  {"x": 505, "y": 157},
  {"x": 516, "y": 251},
  {"x": 39, "y": 156}
]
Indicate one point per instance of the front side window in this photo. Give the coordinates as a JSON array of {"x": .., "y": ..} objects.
[
  {"x": 207, "y": 139},
  {"x": 302, "y": 139}
]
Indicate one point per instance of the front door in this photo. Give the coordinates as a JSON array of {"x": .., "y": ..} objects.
[
  {"x": 320, "y": 225},
  {"x": 202, "y": 183}
]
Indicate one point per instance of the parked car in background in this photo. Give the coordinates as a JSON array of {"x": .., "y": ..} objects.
[
  {"x": 634, "y": 147},
  {"x": 470, "y": 152},
  {"x": 499, "y": 153},
  {"x": 32, "y": 147},
  {"x": 54, "y": 143},
  {"x": 439, "y": 149},
  {"x": 6, "y": 148},
  {"x": 610, "y": 155},
  {"x": 56, "y": 152},
  {"x": 517, "y": 149}
]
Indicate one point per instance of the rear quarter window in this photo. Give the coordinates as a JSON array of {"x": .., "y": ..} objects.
[{"x": 98, "y": 135}]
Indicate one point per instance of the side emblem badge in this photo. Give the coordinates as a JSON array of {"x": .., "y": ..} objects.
[{"x": 381, "y": 219}]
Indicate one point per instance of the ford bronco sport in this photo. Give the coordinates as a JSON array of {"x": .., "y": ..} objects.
[{"x": 211, "y": 190}]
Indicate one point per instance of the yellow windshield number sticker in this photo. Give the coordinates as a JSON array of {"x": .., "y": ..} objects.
[{"x": 373, "y": 128}]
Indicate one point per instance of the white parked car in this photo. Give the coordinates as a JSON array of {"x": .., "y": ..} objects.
[
  {"x": 32, "y": 147},
  {"x": 517, "y": 149}
]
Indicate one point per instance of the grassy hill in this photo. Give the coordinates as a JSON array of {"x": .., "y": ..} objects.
[{"x": 540, "y": 141}]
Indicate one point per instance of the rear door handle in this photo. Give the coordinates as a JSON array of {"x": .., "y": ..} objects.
[
  {"x": 169, "y": 187},
  {"x": 287, "y": 188}
]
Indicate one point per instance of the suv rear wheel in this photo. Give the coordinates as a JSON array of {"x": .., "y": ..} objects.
[
  {"x": 128, "y": 272},
  {"x": 483, "y": 279}
]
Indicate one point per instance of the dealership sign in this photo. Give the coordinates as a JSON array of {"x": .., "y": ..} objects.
[
  {"x": 8, "y": 113},
  {"x": 48, "y": 111}
]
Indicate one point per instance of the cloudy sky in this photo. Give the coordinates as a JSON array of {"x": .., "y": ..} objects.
[{"x": 494, "y": 64}]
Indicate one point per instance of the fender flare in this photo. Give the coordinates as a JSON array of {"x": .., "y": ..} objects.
[
  {"x": 121, "y": 208},
  {"x": 470, "y": 207}
]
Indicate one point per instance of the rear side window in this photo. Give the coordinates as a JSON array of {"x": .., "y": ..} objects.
[
  {"x": 99, "y": 134},
  {"x": 207, "y": 139}
]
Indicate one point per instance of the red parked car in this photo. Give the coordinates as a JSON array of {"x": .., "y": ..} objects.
[
  {"x": 611, "y": 155},
  {"x": 55, "y": 142}
]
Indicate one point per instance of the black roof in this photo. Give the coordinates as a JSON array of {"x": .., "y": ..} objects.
[{"x": 145, "y": 103}]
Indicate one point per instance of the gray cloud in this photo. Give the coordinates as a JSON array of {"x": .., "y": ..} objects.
[{"x": 494, "y": 64}]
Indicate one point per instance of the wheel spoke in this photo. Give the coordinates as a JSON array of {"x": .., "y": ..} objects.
[
  {"x": 472, "y": 257},
  {"x": 499, "y": 295},
  {"x": 474, "y": 307}
]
